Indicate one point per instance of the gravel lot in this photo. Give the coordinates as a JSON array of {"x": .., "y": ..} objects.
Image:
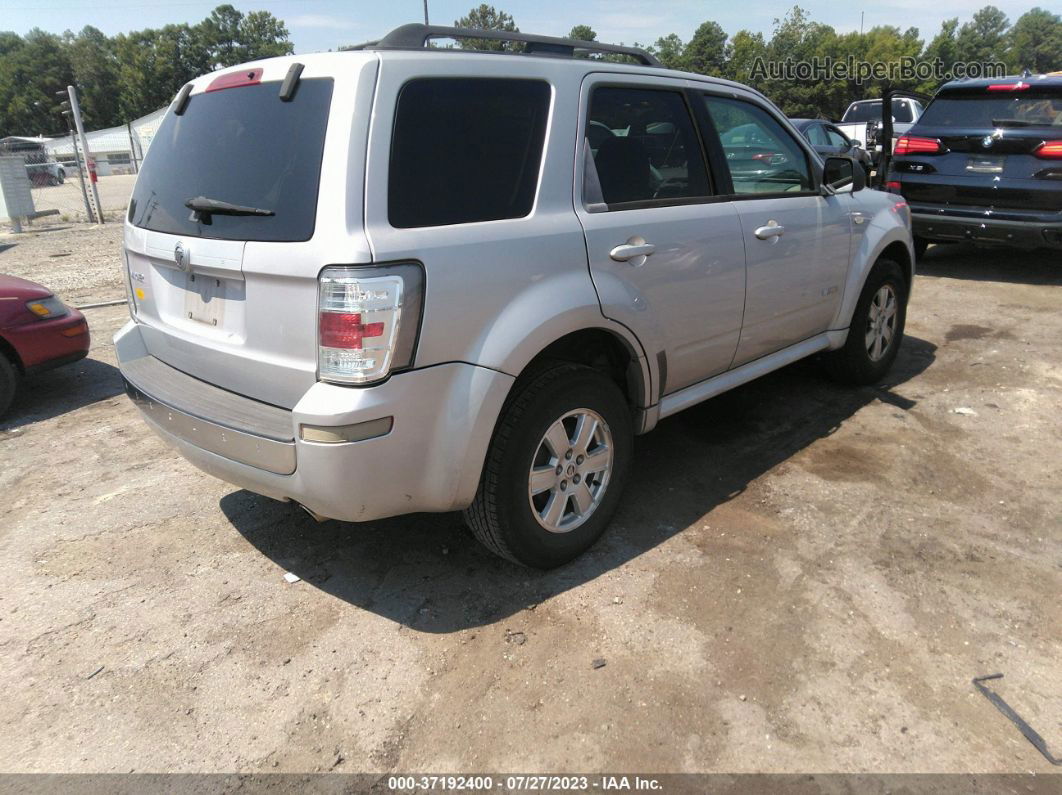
[{"x": 801, "y": 577}]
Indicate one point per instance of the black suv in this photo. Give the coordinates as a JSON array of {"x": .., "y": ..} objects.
[{"x": 984, "y": 163}]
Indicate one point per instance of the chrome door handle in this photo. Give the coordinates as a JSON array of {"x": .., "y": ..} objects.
[
  {"x": 629, "y": 251},
  {"x": 772, "y": 229}
]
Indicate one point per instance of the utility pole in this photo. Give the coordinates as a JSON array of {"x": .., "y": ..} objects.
[
  {"x": 76, "y": 111},
  {"x": 132, "y": 148},
  {"x": 77, "y": 156},
  {"x": 426, "y": 12},
  {"x": 860, "y": 20}
]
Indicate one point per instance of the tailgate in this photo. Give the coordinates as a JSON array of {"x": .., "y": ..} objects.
[{"x": 229, "y": 295}]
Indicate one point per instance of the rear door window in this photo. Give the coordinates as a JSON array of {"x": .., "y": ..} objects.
[
  {"x": 761, "y": 155},
  {"x": 466, "y": 150},
  {"x": 242, "y": 146},
  {"x": 645, "y": 146}
]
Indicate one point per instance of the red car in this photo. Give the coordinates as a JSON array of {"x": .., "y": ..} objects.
[{"x": 37, "y": 332}]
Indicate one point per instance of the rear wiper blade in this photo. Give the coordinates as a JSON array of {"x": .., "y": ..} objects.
[{"x": 204, "y": 208}]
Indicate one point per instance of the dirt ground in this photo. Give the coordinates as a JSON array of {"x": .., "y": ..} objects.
[{"x": 801, "y": 577}]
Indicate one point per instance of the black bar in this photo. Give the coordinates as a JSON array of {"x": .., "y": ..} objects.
[
  {"x": 415, "y": 36},
  {"x": 291, "y": 82},
  {"x": 182, "y": 99}
]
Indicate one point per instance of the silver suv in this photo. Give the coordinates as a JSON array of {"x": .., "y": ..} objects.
[{"x": 405, "y": 278}]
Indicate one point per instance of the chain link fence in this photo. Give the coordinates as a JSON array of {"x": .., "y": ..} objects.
[{"x": 59, "y": 189}]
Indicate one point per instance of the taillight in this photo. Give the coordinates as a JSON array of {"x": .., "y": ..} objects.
[
  {"x": 1049, "y": 150},
  {"x": 913, "y": 145},
  {"x": 893, "y": 186},
  {"x": 367, "y": 321}
]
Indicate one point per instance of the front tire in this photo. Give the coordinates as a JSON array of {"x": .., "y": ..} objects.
[
  {"x": 555, "y": 468},
  {"x": 9, "y": 378},
  {"x": 877, "y": 327},
  {"x": 920, "y": 246}
]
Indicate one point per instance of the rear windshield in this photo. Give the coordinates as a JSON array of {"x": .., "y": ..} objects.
[
  {"x": 242, "y": 146},
  {"x": 902, "y": 111},
  {"x": 1038, "y": 109}
]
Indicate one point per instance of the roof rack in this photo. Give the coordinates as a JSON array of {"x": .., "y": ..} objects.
[{"x": 415, "y": 36}]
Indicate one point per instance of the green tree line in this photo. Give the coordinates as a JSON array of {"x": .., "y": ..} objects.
[
  {"x": 128, "y": 75},
  {"x": 125, "y": 76},
  {"x": 1033, "y": 42}
]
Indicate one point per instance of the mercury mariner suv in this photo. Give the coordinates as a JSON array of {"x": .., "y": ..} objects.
[{"x": 406, "y": 278}]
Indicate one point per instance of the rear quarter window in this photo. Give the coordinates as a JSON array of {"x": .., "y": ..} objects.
[
  {"x": 242, "y": 146},
  {"x": 466, "y": 150}
]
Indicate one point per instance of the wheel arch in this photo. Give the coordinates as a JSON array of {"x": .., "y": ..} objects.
[
  {"x": 8, "y": 350},
  {"x": 893, "y": 244},
  {"x": 606, "y": 350}
]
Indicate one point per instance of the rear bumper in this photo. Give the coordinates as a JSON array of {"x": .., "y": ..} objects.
[
  {"x": 982, "y": 225},
  {"x": 429, "y": 460}
]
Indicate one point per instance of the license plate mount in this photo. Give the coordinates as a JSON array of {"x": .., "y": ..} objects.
[
  {"x": 984, "y": 164},
  {"x": 204, "y": 300}
]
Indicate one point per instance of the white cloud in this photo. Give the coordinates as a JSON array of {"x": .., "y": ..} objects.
[{"x": 320, "y": 21}]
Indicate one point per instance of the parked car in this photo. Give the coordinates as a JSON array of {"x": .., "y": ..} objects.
[
  {"x": 453, "y": 280},
  {"x": 37, "y": 332},
  {"x": 984, "y": 163},
  {"x": 828, "y": 141},
  {"x": 41, "y": 167},
  {"x": 47, "y": 172},
  {"x": 862, "y": 122}
]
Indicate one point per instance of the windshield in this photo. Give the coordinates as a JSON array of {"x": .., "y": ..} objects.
[
  {"x": 242, "y": 146},
  {"x": 902, "y": 111},
  {"x": 1031, "y": 109}
]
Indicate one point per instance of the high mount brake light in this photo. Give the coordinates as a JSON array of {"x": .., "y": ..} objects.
[
  {"x": 1049, "y": 150},
  {"x": 368, "y": 319},
  {"x": 913, "y": 145},
  {"x": 1019, "y": 86},
  {"x": 247, "y": 77}
]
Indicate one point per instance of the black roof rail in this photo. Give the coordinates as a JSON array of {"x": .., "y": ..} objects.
[{"x": 416, "y": 36}]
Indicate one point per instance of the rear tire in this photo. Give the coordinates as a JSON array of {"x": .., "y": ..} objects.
[
  {"x": 555, "y": 467},
  {"x": 9, "y": 378},
  {"x": 876, "y": 330}
]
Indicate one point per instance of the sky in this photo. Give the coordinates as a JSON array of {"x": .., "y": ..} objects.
[{"x": 317, "y": 25}]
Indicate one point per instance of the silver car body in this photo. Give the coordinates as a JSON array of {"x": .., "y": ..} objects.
[{"x": 713, "y": 307}]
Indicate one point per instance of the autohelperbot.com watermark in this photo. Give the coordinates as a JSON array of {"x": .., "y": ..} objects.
[{"x": 850, "y": 68}]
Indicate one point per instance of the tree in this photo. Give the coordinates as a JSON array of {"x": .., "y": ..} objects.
[
  {"x": 486, "y": 17},
  {"x": 670, "y": 51},
  {"x": 583, "y": 33},
  {"x": 943, "y": 49},
  {"x": 30, "y": 76},
  {"x": 95, "y": 68},
  {"x": 1035, "y": 42},
  {"x": 154, "y": 64},
  {"x": 221, "y": 35},
  {"x": 983, "y": 39},
  {"x": 742, "y": 52},
  {"x": 262, "y": 35},
  {"x": 706, "y": 51}
]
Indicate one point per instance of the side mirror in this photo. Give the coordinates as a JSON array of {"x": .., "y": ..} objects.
[
  {"x": 857, "y": 144},
  {"x": 841, "y": 175}
]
